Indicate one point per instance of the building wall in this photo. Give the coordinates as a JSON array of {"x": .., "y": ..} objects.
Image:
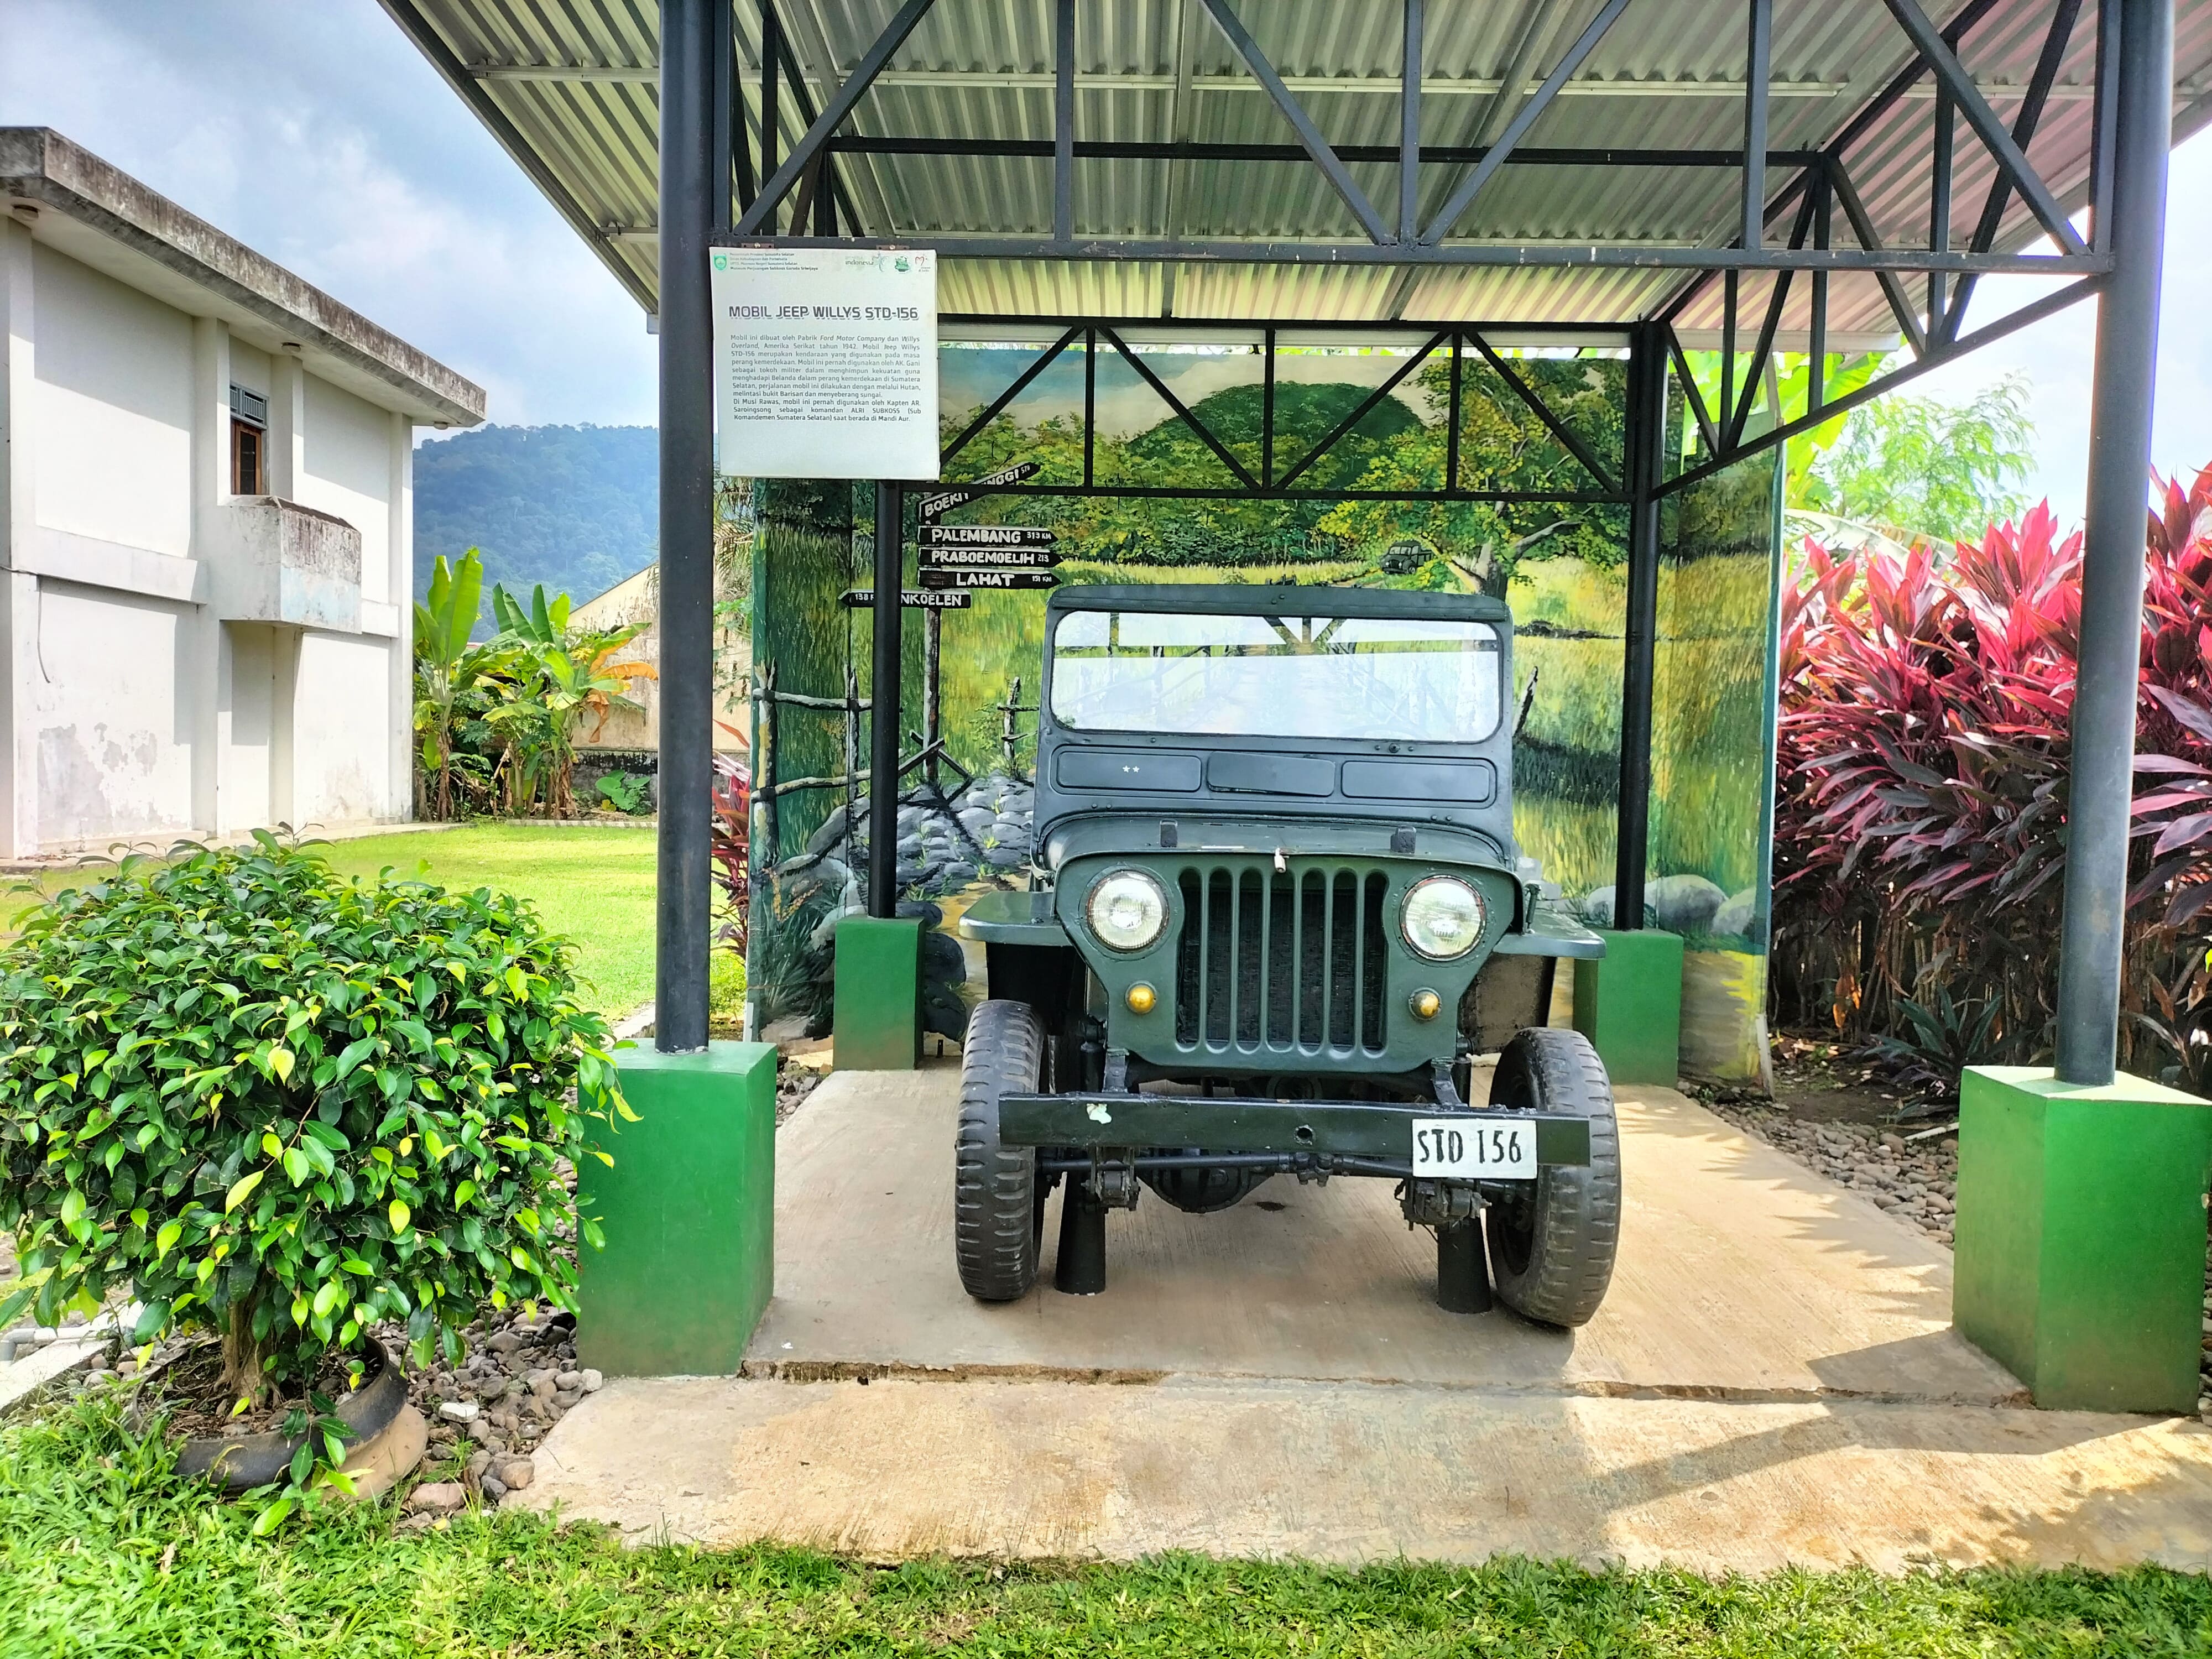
[
  {"x": 146, "y": 691},
  {"x": 110, "y": 759},
  {"x": 114, "y": 409}
]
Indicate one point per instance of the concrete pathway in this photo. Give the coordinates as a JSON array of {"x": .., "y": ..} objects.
[{"x": 1772, "y": 1379}]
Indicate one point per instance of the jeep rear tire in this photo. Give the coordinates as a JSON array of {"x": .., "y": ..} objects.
[
  {"x": 1552, "y": 1243},
  {"x": 997, "y": 1213}
]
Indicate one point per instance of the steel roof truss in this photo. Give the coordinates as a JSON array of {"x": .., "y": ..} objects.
[
  {"x": 1331, "y": 166},
  {"x": 1456, "y": 206},
  {"x": 1167, "y": 394},
  {"x": 2030, "y": 116},
  {"x": 848, "y": 94},
  {"x": 2011, "y": 161},
  {"x": 1559, "y": 428}
]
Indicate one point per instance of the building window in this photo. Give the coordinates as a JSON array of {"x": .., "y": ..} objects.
[{"x": 249, "y": 442}]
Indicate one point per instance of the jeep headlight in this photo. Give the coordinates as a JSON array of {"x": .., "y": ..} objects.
[
  {"x": 1126, "y": 910},
  {"x": 1442, "y": 919}
]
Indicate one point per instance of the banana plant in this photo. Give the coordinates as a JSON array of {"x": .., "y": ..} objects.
[
  {"x": 447, "y": 665},
  {"x": 566, "y": 676}
]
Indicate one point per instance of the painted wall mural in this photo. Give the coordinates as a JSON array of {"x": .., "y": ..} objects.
[{"x": 971, "y": 673}]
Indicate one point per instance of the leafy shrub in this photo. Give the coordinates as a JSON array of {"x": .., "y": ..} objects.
[
  {"x": 623, "y": 791},
  {"x": 1924, "y": 759},
  {"x": 286, "y": 1107}
]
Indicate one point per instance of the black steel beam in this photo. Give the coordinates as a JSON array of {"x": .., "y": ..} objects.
[
  {"x": 1570, "y": 440},
  {"x": 1646, "y": 439},
  {"x": 1900, "y": 303},
  {"x": 2101, "y": 793},
  {"x": 1541, "y": 256},
  {"x": 1366, "y": 403},
  {"x": 1758, "y": 56},
  {"x": 2025, "y": 122},
  {"x": 1409, "y": 123},
  {"x": 1063, "y": 120},
  {"x": 1209, "y": 149},
  {"x": 1167, "y": 396},
  {"x": 884, "y": 709},
  {"x": 991, "y": 412},
  {"x": 1196, "y": 493},
  {"x": 1691, "y": 395},
  {"x": 689, "y": 167}
]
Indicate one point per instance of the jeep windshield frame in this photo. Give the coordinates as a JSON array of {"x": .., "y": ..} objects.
[{"x": 1301, "y": 664}]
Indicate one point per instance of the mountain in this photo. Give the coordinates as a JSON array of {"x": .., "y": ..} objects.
[{"x": 577, "y": 507}]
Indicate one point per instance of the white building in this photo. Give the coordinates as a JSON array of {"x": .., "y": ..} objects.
[{"x": 206, "y": 562}]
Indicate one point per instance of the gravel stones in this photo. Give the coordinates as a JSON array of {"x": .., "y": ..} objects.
[
  {"x": 592, "y": 1381},
  {"x": 1912, "y": 1177},
  {"x": 515, "y": 1379},
  {"x": 517, "y": 1472},
  {"x": 438, "y": 1497}
]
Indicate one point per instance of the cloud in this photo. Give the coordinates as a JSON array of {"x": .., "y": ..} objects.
[{"x": 327, "y": 143}]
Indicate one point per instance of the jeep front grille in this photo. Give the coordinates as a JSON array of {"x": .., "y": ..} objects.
[{"x": 1290, "y": 963}]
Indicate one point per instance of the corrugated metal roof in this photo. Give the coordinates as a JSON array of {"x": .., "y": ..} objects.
[{"x": 573, "y": 82}]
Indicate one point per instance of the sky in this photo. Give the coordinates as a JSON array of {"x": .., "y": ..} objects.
[{"x": 314, "y": 131}]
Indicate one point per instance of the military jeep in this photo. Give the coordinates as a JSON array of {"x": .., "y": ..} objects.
[{"x": 1277, "y": 912}]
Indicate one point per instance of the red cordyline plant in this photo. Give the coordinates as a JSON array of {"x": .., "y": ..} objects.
[{"x": 1920, "y": 835}]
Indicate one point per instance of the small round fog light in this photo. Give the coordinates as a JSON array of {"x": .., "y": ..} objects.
[
  {"x": 1142, "y": 998},
  {"x": 1425, "y": 1004}
]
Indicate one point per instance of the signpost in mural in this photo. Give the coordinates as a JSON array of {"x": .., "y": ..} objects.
[
  {"x": 864, "y": 599},
  {"x": 937, "y": 506},
  {"x": 987, "y": 580}
]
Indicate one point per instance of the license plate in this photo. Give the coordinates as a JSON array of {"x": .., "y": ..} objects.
[{"x": 1469, "y": 1149}]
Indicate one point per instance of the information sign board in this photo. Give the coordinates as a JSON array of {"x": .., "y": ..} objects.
[{"x": 825, "y": 363}]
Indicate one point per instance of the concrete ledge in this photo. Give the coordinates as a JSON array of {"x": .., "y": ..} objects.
[
  {"x": 687, "y": 1207},
  {"x": 877, "y": 1019},
  {"x": 21, "y": 1379},
  {"x": 1629, "y": 1003},
  {"x": 2080, "y": 1234}
]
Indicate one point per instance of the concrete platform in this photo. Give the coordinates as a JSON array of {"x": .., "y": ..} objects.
[
  {"x": 1772, "y": 1380},
  {"x": 1741, "y": 1275}
]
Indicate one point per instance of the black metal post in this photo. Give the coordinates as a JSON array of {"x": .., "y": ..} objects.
[
  {"x": 1646, "y": 434},
  {"x": 2112, "y": 552},
  {"x": 884, "y": 714},
  {"x": 1080, "y": 1267},
  {"x": 689, "y": 44},
  {"x": 1462, "y": 1267}
]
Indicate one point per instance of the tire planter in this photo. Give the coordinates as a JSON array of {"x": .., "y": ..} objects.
[{"x": 241, "y": 1462}]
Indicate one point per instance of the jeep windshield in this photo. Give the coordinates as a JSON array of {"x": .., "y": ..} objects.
[{"x": 1208, "y": 674}]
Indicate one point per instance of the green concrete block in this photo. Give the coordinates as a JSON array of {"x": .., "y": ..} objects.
[
  {"x": 688, "y": 1210},
  {"x": 879, "y": 1007},
  {"x": 2081, "y": 1236},
  {"x": 1629, "y": 1003}
]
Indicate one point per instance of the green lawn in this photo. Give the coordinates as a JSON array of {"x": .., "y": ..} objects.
[
  {"x": 101, "y": 1553},
  {"x": 593, "y": 882}
]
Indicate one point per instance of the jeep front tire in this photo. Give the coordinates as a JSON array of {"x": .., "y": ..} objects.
[
  {"x": 997, "y": 1218},
  {"x": 1552, "y": 1243}
]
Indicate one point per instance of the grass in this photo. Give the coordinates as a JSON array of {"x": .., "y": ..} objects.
[
  {"x": 593, "y": 882},
  {"x": 102, "y": 1552}
]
